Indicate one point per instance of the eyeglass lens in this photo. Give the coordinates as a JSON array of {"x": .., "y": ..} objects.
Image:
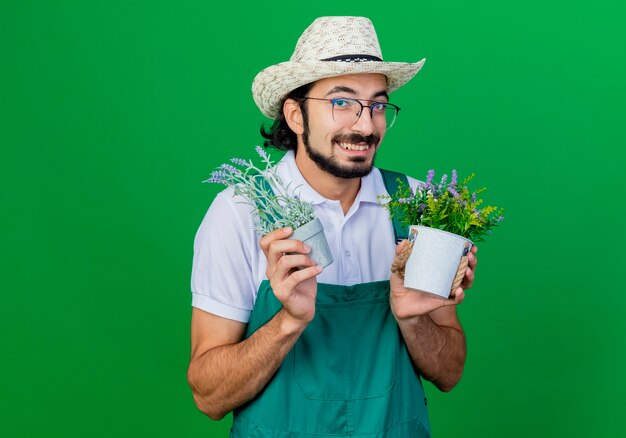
[{"x": 347, "y": 111}]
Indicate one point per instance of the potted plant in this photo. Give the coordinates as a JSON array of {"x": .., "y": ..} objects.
[
  {"x": 275, "y": 205},
  {"x": 444, "y": 220}
]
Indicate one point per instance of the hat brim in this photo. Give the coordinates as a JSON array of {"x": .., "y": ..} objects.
[{"x": 271, "y": 85}]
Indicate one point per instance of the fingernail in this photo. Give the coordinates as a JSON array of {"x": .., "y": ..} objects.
[
  {"x": 307, "y": 248},
  {"x": 287, "y": 229}
]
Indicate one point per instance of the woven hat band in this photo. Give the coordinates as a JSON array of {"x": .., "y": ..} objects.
[
  {"x": 353, "y": 58},
  {"x": 329, "y": 47}
]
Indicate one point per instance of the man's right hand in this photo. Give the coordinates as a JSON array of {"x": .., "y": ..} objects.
[
  {"x": 227, "y": 369},
  {"x": 295, "y": 288}
]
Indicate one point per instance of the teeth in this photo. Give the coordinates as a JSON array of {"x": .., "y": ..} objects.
[{"x": 354, "y": 147}]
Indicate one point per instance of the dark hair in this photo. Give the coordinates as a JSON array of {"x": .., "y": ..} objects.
[{"x": 280, "y": 135}]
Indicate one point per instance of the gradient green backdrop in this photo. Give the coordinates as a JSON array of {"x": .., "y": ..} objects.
[{"x": 112, "y": 113}]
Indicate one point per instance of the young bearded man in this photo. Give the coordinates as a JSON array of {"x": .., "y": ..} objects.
[{"x": 294, "y": 350}]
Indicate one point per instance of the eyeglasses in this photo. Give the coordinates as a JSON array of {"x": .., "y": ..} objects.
[{"x": 347, "y": 111}]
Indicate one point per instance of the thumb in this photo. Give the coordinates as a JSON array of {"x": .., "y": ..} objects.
[{"x": 400, "y": 246}]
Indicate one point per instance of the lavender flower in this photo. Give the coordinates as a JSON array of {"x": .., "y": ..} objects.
[
  {"x": 215, "y": 179},
  {"x": 218, "y": 174},
  {"x": 261, "y": 152},
  {"x": 272, "y": 209},
  {"x": 231, "y": 169},
  {"x": 431, "y": 175},
  {"x": 451, "y": 207}
]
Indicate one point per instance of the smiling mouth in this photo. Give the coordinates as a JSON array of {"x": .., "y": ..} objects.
[{"x": 354, "y": 147}]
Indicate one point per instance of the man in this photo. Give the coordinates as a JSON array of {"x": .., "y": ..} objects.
[{"x": 293, "y": 349}]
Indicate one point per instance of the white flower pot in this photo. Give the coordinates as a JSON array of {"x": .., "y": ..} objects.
[
  {"x": 434, "y": 260},
  {"x": 312, "y": 234}
]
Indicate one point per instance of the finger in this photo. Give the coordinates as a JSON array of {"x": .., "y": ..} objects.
[
  {"x": 400, "y": 246},
  {"x": 279, "y": 248},
  {"x": 474, "y": 249},
  {"x": 468, "y": 280},
  {"x": 281, "y": 233},
  {"x": 298, "y": 277},
  {"x": 459, "y": 296},
  {"x": 287, "y": 263},
  {"x": 472, "y": 261}
]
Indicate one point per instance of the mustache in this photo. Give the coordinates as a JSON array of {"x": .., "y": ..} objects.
[{"x": 371, "y": 139}]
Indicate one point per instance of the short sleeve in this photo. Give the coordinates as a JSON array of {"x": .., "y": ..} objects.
[{"x": 225, "y": 251}]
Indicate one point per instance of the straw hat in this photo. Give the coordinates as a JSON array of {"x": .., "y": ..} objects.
[{"x": 330, "y": 46}]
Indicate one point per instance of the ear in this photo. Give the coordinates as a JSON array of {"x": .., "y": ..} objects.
[{"x": 293, "y": 116}]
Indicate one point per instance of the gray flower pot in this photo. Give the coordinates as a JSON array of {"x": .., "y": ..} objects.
[
  {"x": 312, "y": 233},
  {"x": 434, "y": 260}
]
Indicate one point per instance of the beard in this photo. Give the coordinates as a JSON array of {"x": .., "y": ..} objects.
[{"x": 359, "y": 168}]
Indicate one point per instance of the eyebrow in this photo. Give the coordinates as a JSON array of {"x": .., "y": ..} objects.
[
  {"x": 341, "y": 88},
  {"x": 344, "y": 89},
  {"x": 382, "y": 93}
]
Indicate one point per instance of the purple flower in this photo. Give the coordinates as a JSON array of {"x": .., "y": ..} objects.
[
  {"x": 461, "y": 203},
  {"x": 431, "y": 175},
  {"x": 214, "y": 180},
  {"x": 473, "y": 197},
  {"x": 216, "y": 177},
  {"x": 453, "y": 192},
  {"x": 405, "y": 200},
  {"x": 444, "y": 178},
  {"x": 239, "y": 161},
  {"x": 500, "y": 218},
  {"x": 261, "y": 152},
  {"x": 231, "y": 169},
  {"x": 454, "y": 177},
  {"x": 422, "y": 207}
]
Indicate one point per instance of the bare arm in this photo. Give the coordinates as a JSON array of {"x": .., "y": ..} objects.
[
  {"x": 431, "y": 329},
  {"x": 225, "y": 371},
  {"x": 437, "y": 348}
]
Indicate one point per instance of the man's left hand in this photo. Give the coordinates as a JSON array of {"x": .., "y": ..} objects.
[{"x": 407, "y": 303}]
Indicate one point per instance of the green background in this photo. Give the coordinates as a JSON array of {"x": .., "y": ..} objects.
[{"x": 112, "y": 113}]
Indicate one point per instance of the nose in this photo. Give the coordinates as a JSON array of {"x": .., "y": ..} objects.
[{"x": 364, "y": 124}]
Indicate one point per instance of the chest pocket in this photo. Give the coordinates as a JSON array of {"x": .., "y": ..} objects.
[{"x": 348, "y": 352}]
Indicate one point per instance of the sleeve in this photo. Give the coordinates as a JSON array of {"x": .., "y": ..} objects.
[{"x": 225, "y": 253}]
